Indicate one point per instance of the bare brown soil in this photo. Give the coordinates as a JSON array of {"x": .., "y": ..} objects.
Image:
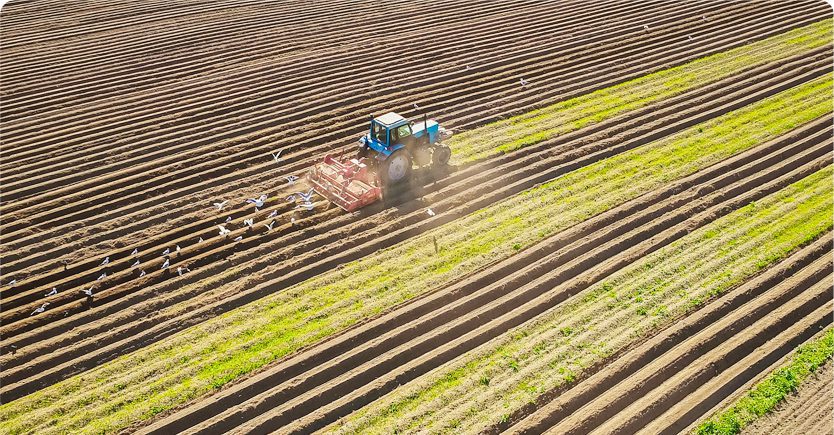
[{"x": 123, "y": 122}]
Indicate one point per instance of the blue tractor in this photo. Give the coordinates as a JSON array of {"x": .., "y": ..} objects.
[
  {"x": 387, "y": 154},
  {"x": 394, "y": 144}
]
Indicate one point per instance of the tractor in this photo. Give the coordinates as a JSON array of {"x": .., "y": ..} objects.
[{"x": 386, "y": 157}]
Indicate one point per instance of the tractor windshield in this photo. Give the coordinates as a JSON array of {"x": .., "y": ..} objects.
[{"x": 378, "y": 133}]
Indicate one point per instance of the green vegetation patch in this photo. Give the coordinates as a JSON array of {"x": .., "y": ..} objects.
[
  {"x": 203, "y": 358},
  {"x": 575, "y": 113},
  {"x": 764, "y": 397},
  {"x": 553, "y": 348}
]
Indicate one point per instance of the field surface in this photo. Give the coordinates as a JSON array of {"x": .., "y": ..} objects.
[{"x": 634, "y": 231}]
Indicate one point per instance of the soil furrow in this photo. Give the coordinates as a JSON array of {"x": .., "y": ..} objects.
[{"x": 770, "y": 289}]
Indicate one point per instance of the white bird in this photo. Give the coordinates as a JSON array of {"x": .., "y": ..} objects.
[
  {"x": 141, "y": 273},
  {"x": 102, "y": 276},
  {"x": 249, "y": 222},
  {"x": 275, "y": 156},
  {"x": 258, "y": 202},
  {"x": 238, "y": 238},
  {"x": 200, "y": 241},
  {"x": 690, "y": 37},
  {"x": 307, "y": 196},
  {"x": 273, "y": 214},
  {"x": 220, "y": 205},
  {"x": 179, "y": 271},
  {"x": 106, "y": 260},
  {"x": 223, "y": 230},
  {"x": 40, "y": 309},
  {"x": 645, "y": 27},
  {"x": 523, "y": 82},
  {"x": 416, "y": 107},
  {"x": 228, "y": 219},
  {"x": 53, "y": 292},
  {"x": 467, "y": 67},
  {"x": 135, "y": 264},
  {"x": 292, "y": 221},
  {"x": 88, "y": 292},
  {"x": 291, "y": 198},
  {"x": 178, "y": 249},
  {"x": 166, "y": 251},
  {"x": 430, "y": 212},
  {"x": 135, "y": 251},
  {"x": 269, "y": 227},
  {"x": 308, "y": 205},
  {"x": 166, "y": 263},
  {"x": 291, "y": 179},
  {"x": 12, "y": 283}
]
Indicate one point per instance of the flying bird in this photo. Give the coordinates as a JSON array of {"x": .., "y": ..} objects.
[
  {"x": 166, "y": 251},
  {"x": 106, "y": 260},
  {"x": 223, "y": 230},
  {"x": 200, "y": 241},
  {"x": 276, "y": 156},
  {"x": 220, "y": 205},
  {"x": 523, "y": 82},
  {"x": 12, "y": 283},
  {"x": 307, "y": 196},
  {"x": 166, "y": 263},
  {"x": 102, "y": 276},
  {"x": 269, "y": 227},
  {"x": 40, "y": 309},
  {"x": 258, "y": 202},
  {"x": 308, "y": 205},
  {"x": 238, "y": 238},
  {"x": 291, "y": 179},
  {"x": 53, "y": 292},
  {"x": 291, "y": 198},
  {"x": 249, "y": 222},
  {"x": 135, "y": 264},
  {"x": 273, "y": 214},
  {"x": 430, "y": 212},
  {"x": 135, "y": 251},
  {"x": 88, "y": 292}
]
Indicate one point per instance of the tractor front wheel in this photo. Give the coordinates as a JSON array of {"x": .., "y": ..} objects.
[
  {"x": 397, "y": 167},
  {"x": 441, "y": 155}
]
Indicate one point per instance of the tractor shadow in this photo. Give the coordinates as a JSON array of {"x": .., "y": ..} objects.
[{"x": 403, "y": 196}]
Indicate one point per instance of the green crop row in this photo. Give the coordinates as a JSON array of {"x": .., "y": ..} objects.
[
  {"x": 572, "y": 114},
  {"x": 488, "y": 384},
  {"x": 201, "y": 359},
  {"x": 764, "y": 397}
]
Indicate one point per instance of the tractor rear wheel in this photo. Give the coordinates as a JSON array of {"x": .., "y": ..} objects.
[{"x": 397, "y": 167}]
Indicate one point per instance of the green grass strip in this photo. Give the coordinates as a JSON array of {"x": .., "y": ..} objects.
[
  {"x": 764, "y": 397},
  {"x": 575, "y": 113},
  {"x": 486, "y": 385},
  {"x": 203, "y": 358}
]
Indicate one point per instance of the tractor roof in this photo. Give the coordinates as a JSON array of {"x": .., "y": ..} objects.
[{"x": 390, "y": 119}]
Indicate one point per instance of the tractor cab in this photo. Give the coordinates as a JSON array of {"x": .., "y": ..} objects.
[{"x": 389, "y": 133}]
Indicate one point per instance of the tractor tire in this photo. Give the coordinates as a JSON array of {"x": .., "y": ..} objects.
[
  {"x": 441, "y": 155},
  {"x": 396, "y": 168}
]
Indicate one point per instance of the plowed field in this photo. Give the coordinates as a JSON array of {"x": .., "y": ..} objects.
[{"x": 634, "y": 226}]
